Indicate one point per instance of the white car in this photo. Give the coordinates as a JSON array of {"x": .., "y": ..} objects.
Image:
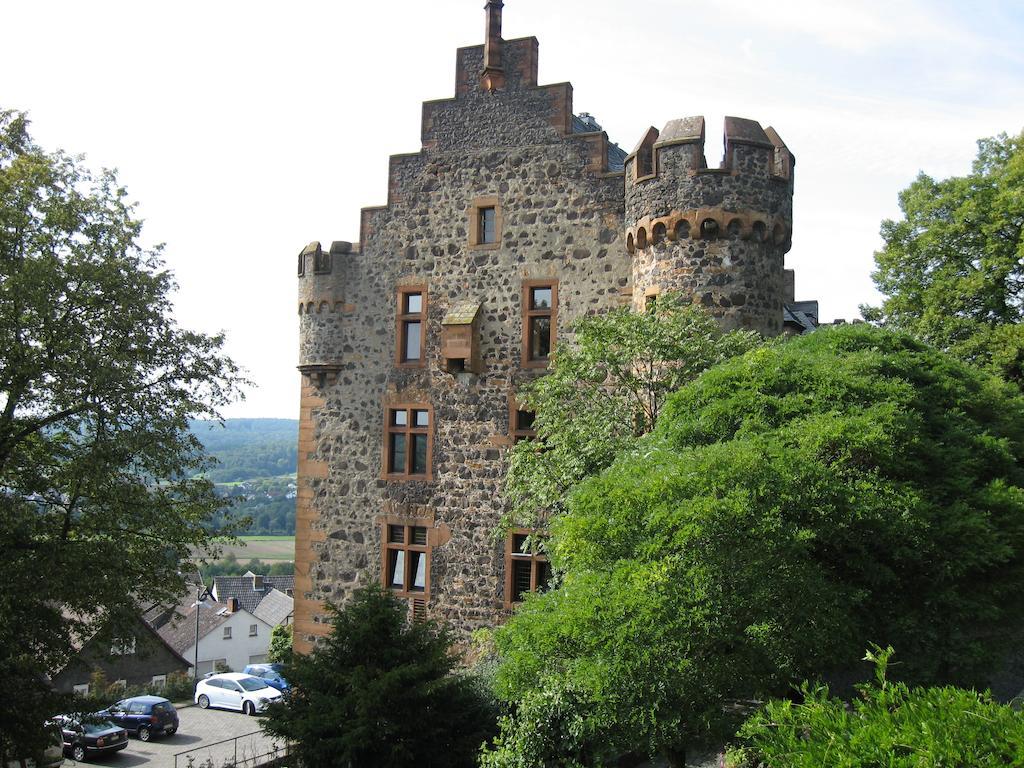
[{"x": 233, "y": 690}]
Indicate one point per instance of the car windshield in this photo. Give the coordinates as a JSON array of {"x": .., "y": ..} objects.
[
  {"x": 252, "y": 683},
  {"x": 98, "y": 727}
]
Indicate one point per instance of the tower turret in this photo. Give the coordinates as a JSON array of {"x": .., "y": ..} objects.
[
  {"x": 321, "y": 303},
  {"x": 718, "y": 234}
]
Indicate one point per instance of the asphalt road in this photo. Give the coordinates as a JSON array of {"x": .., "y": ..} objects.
[{"x": 198, "y": 732}]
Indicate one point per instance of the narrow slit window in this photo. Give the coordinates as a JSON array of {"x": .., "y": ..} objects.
[
  {"x": 488, "y": 225},
  {"x": 522, "y": 423},
  {"x": 411, "y": 326},
  {"x": 540, "y": 302}
]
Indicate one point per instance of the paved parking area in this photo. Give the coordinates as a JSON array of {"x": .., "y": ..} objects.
[{"x": 198, "y": 732}]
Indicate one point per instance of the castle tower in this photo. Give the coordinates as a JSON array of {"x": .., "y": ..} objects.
[{"x": 717, "y": 234}]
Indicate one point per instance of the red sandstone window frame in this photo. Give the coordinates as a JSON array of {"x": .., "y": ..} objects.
[
  {"x": 403, "y": 321},
  {"x": 411, "y": 543},
  {"x": 515, "y": 560},
  {"x": 517, "y": 431},
  {"x": 475, "y": 227},
  {"x": 531, "y": 315},
  {"x": 410, "y": 428}
]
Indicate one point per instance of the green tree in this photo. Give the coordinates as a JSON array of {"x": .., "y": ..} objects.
[
  {"x": 97, "y": 385},
  {"x": 891, "y": 724},
  {"x": 280, "y": 651},
  {"x": 792, "y": 505},
  {"x": 380, "y": 692},
  {"x": 605, "y": 390},
  {"x": 952, "y": 268}
]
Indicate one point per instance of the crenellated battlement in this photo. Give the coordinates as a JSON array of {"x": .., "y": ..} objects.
[{"x": 718, "y": 234}]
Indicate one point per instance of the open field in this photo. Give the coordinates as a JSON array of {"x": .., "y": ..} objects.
[{"x": 263, "y": 548}]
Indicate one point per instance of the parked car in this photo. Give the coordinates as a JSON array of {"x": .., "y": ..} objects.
[
  {"x": 269, "y": 672},
  {"x": 145, "y": 716},
  {"x": 87, "y": 738},
  {"x": 51, "y": 757},
  {"x": 235, "y": 690}
]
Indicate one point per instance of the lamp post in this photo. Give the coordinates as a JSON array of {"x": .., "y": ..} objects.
[{"x": 202, "y": 592}]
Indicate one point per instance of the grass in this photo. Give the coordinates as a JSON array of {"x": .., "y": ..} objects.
[{"x": 262, "y": 548}]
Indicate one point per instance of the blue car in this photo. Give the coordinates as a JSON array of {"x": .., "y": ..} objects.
[
  {"x": 271, "y": 673},
  {"x": 145, "y": 716}
]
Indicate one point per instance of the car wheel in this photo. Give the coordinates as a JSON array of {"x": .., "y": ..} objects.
[
  {"x": 144, "y": 733},
  {"x": 248, "y": 708},
  {"x": 78, "y": 753},
  {"x": 172, "y": 731},
  {"x": 204, "y": 701}
]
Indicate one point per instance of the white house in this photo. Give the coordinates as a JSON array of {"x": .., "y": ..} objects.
[{"x": 229, "y": 634}]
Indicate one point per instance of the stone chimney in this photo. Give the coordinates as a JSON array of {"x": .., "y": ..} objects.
[
  {"x": 493, "y": 76},
  {"x": 232, "y": 605}
]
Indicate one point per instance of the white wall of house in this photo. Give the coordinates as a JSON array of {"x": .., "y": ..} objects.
[{"x": 240, "y": 649}]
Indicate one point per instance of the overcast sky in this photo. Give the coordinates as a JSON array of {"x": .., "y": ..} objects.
[{"x": 247, "y": 129}]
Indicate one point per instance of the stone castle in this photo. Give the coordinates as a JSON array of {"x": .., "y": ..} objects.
[{"x": 515, "y": 218}]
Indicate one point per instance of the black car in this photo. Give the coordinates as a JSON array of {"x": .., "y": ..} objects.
[
  {"x": 91, "y": 736},
  {"x": 145, "y": 716}
]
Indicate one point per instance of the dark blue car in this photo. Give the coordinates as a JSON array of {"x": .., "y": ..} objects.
[
  {"x": 145, "y": 716},
  {"x": 271, "y": 673}
]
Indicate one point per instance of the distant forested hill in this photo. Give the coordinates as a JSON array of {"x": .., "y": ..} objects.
[
  {"x": 257, "y": 469},
  {"x": 250, "y": 448}
]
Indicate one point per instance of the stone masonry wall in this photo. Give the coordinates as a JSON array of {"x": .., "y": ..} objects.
[{"x": 559, "y": 221}]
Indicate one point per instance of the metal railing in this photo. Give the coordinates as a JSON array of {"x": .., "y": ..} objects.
[{"x": 259, "y": 750}]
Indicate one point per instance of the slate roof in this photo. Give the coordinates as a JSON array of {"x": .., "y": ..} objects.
[
  {"x": 241, "y": 588},
  {"x": 274, "y": 608},
  {"x": 585, "y": 123},
  {"x": 803, "y": 321},
  {"x": 180, "y": 631}
]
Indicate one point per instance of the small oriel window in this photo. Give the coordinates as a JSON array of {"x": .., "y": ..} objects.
[
  {"x": 488, "y": 224},
  {"x": 411, "y": 325},
  {"x": 407, "y": 443},
  {"x": 540, "y": 302},
  {"x": 526, "y": 568},
  {"x": 406, "y": 558}
]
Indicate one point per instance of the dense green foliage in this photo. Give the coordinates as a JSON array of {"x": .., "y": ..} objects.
[
  {"x": 792, "y": 505},
  {"x": 246, "y": 449},
  {"x": 101, "y": 498},
  {"x": 280, "y": 651},
  {"x": 605, "y": 390},
  {"x": 232, "y": 566},
  {"x": 952, "y": 268},
  {"x": 380, "y": 692},
  {"x": 890, "y": 725}
]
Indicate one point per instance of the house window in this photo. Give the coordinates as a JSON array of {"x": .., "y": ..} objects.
[
  {"x": 487, "y": 222},
  {"x": 227, "y": 633},
  {"x": 122, "y": 646},
  {"x": 406, "y": 559},
  {"x": 253, "y": 630},
  {"x": 412, "y": 317},
  {"x": 540, "y": 308},
  {"x": 526, "y": 569},
  {"x": 159, "y": 680},
  {"x": 81, "y": 690},
  {"x": 407, "y": 442}
]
